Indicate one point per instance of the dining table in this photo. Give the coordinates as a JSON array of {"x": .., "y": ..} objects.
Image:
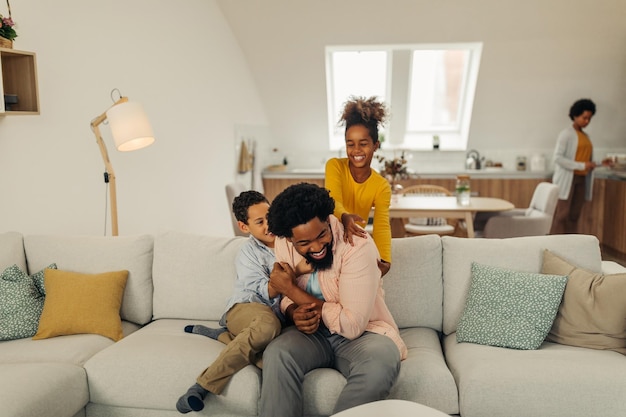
[{"x": 406, "y": 206}]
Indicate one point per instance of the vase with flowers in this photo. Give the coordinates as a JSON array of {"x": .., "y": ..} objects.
[
  {"x": 7, "y": 31},
  {"x": 393, "y": 170}
]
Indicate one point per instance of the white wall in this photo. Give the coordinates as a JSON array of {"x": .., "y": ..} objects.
[
  {"x": 181, "y": 61},
  {"x": 538, "y": 58}
]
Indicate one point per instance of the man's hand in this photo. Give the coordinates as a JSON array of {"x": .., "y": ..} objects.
[
  {"x": 303, "y": 267},
  {"x": 351, "y": 228},
  {"x": 282, "y": 277},
  {"x": 307, "y": 318}
]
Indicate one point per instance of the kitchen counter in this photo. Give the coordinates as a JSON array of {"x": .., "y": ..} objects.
[{"x": 610, "y": 174}]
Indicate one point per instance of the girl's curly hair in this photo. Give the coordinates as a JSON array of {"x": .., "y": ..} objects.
[
  {"x": 368, "y": 112},
  {"x": 298, "y": 204}
]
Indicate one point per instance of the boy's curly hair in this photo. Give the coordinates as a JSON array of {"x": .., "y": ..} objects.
[
  {"x": 368, "y": 112},
  {"x": 296, "y": 205},
  {"x": 243, "y": 201},
  {"x": 580, "y": 106}
]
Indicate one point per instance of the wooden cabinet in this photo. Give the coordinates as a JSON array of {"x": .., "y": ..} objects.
[
  {"x": 18, "y": 79},
  {"x": 273, "y": 186},
  {"x": 614, "y": 215}
]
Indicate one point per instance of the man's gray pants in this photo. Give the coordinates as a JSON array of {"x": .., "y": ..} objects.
[{"x": 370, "y": 363}]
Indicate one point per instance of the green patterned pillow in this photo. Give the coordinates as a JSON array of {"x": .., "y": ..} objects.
[
  {"x": 21, "y": 303},
  {"x": 509, "y": 308}
]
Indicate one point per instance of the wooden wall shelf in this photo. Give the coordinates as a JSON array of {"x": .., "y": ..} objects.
[{"x": 18, "y": 77}]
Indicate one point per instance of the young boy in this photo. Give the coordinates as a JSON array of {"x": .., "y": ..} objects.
[{"x": 252, "y": 316}]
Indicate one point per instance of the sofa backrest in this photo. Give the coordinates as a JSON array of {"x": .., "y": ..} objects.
[
  {"x": 523, "y": 254},
  {"x": 12, "y": 251},
  {"x": 193, "y": 275},
  {"x": 413, "y": 286},
  {"x": 91, "y": 255}
]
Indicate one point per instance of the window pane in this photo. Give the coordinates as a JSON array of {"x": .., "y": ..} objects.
[
  {"x": 354, "y": 73},
  {"x": 429, "y": 89},
  {"x": 437, "y": 85}
]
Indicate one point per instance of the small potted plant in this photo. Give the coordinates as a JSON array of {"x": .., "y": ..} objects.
[{"x": 7, "y": 32}]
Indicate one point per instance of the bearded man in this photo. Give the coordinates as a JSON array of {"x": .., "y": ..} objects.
[{"x": 340, "y": 319}]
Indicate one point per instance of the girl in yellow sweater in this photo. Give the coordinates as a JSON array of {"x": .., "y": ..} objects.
[{"x": 354, "y": 185}]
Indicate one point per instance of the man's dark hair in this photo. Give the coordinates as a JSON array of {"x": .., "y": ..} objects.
[
  {"x": 581, "y": 106},
  {"x": 296, "y": 205},
  {"x": 243, "y": 201}
]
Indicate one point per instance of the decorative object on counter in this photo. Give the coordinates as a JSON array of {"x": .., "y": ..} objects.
[
  {"x": 520, "y": 163},
  {"x": 131, "y": 130},
  {"x": 537, "y": 163},
  {"x": 473, "y": 160},
  {"x": 393, "y": 169},
  {"x": 436, "y": 142},
  {"x": 9, "y": 100},
  {"x": 275, "y": 168},
  {"x": 7, "y": 32},
  {"x": 463, "y": 190}
]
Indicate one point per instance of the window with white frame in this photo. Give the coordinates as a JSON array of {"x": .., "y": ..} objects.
[{"x": 429, "y": 89}]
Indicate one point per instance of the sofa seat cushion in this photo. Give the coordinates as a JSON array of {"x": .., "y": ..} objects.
[
  {"x": 555, "y": 380},
  {"x": 424, "y": 378},
  {"x": 152, "y": 367},
  {"x": 524, "y": 254},
  {"x": 74, "y": 349},
  {"x": 424, "y": 375},
  {"x": 42, "y": 389}
]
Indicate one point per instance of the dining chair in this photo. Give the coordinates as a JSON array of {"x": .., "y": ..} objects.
[
  {"x": 415, "y": 226},
  {"x": 232, "y": 191},
  {"x": 536, "y": 220}
]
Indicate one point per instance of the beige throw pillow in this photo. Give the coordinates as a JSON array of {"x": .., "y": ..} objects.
[
  {"x": 593, "y": 311},
  {"x": 82, "y": 303}
]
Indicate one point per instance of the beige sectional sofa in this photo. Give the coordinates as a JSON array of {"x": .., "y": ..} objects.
[{"x": 177, "y": 279}]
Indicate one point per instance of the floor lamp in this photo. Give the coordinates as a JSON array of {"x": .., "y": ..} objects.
[{"x": 131, "y": 130}]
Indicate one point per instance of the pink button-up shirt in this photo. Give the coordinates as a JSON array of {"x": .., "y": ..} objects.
[{"x": 352, "y": 288}]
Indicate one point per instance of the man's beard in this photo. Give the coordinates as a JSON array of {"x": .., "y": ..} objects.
[{"x": 324, "y": 263}]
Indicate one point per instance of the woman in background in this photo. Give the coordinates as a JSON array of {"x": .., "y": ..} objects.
[
  {"x": 354, "y": 185},
  {"x": 573, "y": 167}
]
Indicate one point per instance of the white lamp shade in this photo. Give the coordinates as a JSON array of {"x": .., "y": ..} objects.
[{"x": 130, "y": 127}]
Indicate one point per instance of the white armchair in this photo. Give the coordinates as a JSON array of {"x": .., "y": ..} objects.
[{"x": 535, "y": 220}]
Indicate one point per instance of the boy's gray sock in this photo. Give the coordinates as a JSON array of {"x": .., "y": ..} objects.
[
  {"x": 205, "y": 331},
  {"x": 192, "y": 400}
]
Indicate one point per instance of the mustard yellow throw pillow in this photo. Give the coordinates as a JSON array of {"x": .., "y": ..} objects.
[
  {"x": 82, "y": 303},
  {"x": 593, "y": 311}
]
